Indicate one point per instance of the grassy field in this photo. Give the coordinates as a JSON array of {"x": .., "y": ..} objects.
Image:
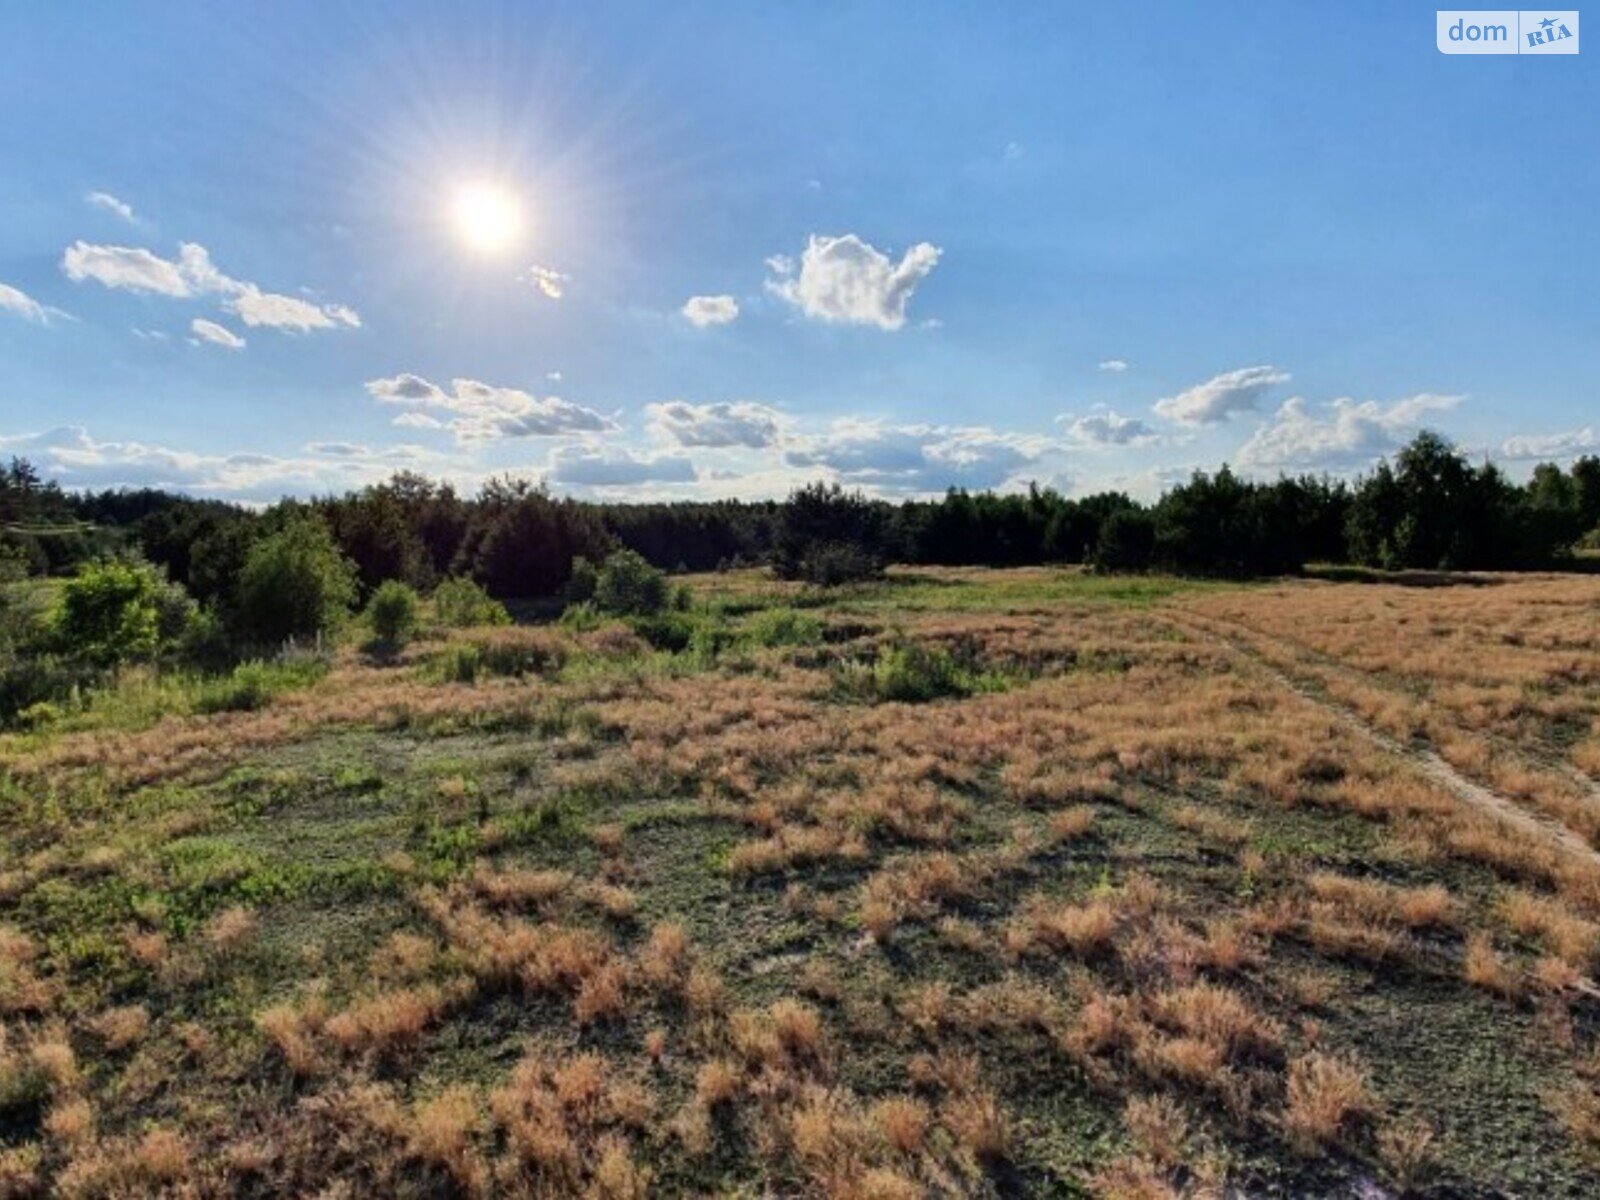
[{"x": 962, "y": 883}]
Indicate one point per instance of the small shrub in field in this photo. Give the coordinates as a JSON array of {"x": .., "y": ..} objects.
[
  {"x": 295, "y": 583},
  {"x": 908, "y": 675},
  {"x": 461, "y": 604},
  {"x": 1325, "y": 1094},
  {"x": 628, "y": 586},
  {"x": 830, "y": 564},
  {"x": 250, "y": 686},
  {"x": 1482, "y": 966},
  {"x": 492, "y": 652},
  {"x": 110, "y": 612},
  {"x": 582, "y": 583},
  {"x": 1407, "y": 1149},
  {"x": 392, "y": 612},
  {"x": 1159, "y": 1127},
  {"x": 784, "y": 627}
]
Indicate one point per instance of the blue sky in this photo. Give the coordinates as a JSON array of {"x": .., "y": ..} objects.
[{"x": 932, "y": 244}]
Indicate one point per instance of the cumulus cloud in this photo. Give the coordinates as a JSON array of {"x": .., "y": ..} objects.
[
  {"x": 844, "y": 279},
  {"x": 1117, "y": 365},
  {"x": 483, "y": 412},
  {"x": 1350, "y": 434},
  {"x": 719, "y": 425},
  {"x": 109, "y": 203},
  {"x": 136, "y": 269},
  {"x": 918, "y": 459},
  {"x": 591, "y": 466},
  {"x": 1220, "y": 397},
  {"x": 710, "y": 310},
  {"x": 217, "y": 335},
  {"x": 1567, "y": 444},
  {"x": 1109, "y": 429},
  {"x": 130, "y": 268},
  {"x": 550, "y": 282},
  {"x": 15, "y": 300},
  {"x": 76, "y": 459}
]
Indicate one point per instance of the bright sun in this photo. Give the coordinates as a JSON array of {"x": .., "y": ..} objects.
[{"x": 487, "y": 217}]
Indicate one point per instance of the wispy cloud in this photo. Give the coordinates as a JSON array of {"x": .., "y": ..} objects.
[
  {"x": 1116, "y": 365},
  {"x": 106, "y": 202},
  {"x": 15, "y": 300},
  {"x": 217, "y": 335},
  {"x": 1567, "y": 444},
  {"x": 135, "y": 269},
  {"x": 551, "y": 283}
]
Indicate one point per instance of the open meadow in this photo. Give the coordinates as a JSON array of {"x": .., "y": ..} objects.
[{"x": 961, "y": 882}]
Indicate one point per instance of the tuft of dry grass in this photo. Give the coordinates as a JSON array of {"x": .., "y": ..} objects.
[
  {"x": 1325, "y": 1095},
  {"x": 1483, "y": 967},
  {"x": 231, "y": 930}
]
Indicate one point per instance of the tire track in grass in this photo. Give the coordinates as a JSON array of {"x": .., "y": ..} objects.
[
  {"x": 1318, "y": 661},
  {"x": 1425, "y": 760}
]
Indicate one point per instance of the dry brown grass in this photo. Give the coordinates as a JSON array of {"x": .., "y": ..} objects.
[{"x": 1325, "y": 1095}]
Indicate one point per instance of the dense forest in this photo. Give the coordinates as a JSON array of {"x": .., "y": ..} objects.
[{"x": 151, "y": 575}]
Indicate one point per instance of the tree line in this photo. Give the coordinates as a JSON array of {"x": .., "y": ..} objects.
[{"x": 1430, "y": 507}]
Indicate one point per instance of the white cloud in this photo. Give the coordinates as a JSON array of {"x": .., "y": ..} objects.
[
  {"x": 1109, "y": 429},
  {"x": 257, "y": 308},
  {"x": 217, "y": 335},
  {"x": 720, "y": 425},
  {"x": 710, "y": 310},
  {"x": 552, "y": 283},
  {"x": 918, "y": 459},
  {"x": 1117, "y": 365},
  {"x": 110, "y": 204},
  {"x": 131, "y": 268},
  {"x": 1220, "y": 397},
  {"x": 1351, "y": 434},
  {"x": 337, "y": 449},
  {"x": 194, "y": 274},
  {"x": 1567, "y": 444},
  {"x": 482, "y": 412},
  {"x": 590, "y": 466},
  {"x": 75, "y": 459},
  {"x": 844, "y": 279},
  {"x": 14, "y": 300},
  {"x": 702, "y": 311}
]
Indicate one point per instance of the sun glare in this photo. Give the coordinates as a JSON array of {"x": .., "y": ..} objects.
[{"x": 487, "y": 217}]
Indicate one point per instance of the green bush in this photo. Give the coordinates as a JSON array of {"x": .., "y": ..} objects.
[
  {"x": 912, "y": 674},
  {"x": 392, "y": 612},
  {"x": 628, "y": 586},
  {"x": 829, "y": 564},
  {"x": 295, "y": 584},
  {"x": 507, "y": 652},
  {"x": 580, "y": 588},
  {"x": 113, "y": 612},
  {"x": 784, "y": 627},
  {"x": 251, "y": 685},
  {"x": 461, "y": 604}
]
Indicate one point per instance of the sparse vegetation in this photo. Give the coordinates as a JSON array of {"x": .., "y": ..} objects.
[{"x": 948, "y": 882}]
